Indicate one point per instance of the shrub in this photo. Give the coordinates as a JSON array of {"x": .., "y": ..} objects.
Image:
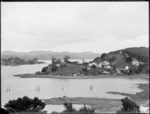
[
  {"x": 53, "y": 59},
  {"x": 38, "y": 73},
  {"x": 25, "y": 104},
  {"x": 112, "y": 59},
  {"x": 128, "y": 59},
  {"x": 103, "y": 56},
  {"x": 93, "y": 67},
  {"x": 66, "y": 58},
  {"x": 86, "y": 109},
  {"x": 128, "y": 106},
  {"x": 68, "y": 107},
  {"x": 44, "y": 69},
  {"x": 84, "y": 69},
  {"x": 54, "y": 68}
]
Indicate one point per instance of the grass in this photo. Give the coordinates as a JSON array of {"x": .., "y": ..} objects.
[{"x": 102, "y": 104}]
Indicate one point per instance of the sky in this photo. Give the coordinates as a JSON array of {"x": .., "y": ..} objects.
[{"x": 74, "y": 26}]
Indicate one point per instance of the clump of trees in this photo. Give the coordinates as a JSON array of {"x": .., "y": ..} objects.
[
  {"x": 66, "y": 58},
  {"x": 103, "y": 56},
  {"x": 84, "y": 110},
  {"x": 54, "y": 68},
  {"x": 112, "y": 59},
  {"x": 129, "y": 106},
  {"x": 25, "y": 104},
  {"x": 69, "y": 107}
]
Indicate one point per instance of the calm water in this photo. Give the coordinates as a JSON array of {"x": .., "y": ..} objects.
[{"x": 14, "y": 87}]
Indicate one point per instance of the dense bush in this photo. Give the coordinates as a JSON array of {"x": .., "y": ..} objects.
[
  {"x": 112, "y": 59},
  {"x": 69, "y": 107},
  {"x": 86, "y": 110},
  {"x": 44, "y": 69},
  {"x": 53, "y": 59},
  {"x": 38, "y": 73},
  {"x": 66, "y": 58},
  {"x": 84, "y": 69},
  {"x": 26, "y": 104},
  {"x": 103, "y": 56},
  {"x": 54, "y": 68},
  {"x": 93, "y": 67},
  {"x": 128, "y": 59},
  {"x": 128, "y": 106}
]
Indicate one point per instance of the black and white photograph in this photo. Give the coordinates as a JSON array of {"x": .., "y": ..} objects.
[{"x": 75, "y": 57}]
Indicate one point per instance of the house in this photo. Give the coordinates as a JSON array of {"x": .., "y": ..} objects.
[
  {"x": 58, "y": 65},
  {"x": 135, "y": 62},
  {"x": 107, "y": 67},
  {"x": 105, "y": 72},
  {"x": 126, "y": 67},
  {"x": 105, "y": 63},
  {"x": 90, "y": 64},
  {"x": 100, "y": 65},
  {"x": 62, "y": 60},
  {"x": 88, "y": 68}
]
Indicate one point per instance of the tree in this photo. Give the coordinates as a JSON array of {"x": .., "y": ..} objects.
[
  {"x": 66, "y": 58},
  {"x": 68, "y": 107},
  {"x": 128, "y": 106},
  {"x": 54, "y": 68},
  {"x": 86, "y": 110},
  {"x": 112, "y": 59},
  {"x": 103, "y": 56},
  {"x": 44, "y": 69},
  {"x": 53, "y": 59},
  {"x": 25, "y": 104},
  {"x": 128, "y": 59}
]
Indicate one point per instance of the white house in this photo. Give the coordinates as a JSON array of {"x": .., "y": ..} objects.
[
  {"x": 88, "y": 68},
  {"x": 127, "y": 67},
  {"x": 135, "y": 62},
  {"x": 90, "y": 64},
  {"x": 62, "y": 60},
  {"x": 105, "y": 63},
  {"x": 107, "y": 67},
  {"x": 58, "y": 65},
  {"x": 100, "y": 65}
]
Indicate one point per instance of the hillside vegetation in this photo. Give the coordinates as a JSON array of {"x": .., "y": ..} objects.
[
  {"x": 120, "y": 56},
  {"x": 127, "y": 61}
]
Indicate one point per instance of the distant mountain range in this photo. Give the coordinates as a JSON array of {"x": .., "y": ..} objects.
[{"x": 46, "y": 55}]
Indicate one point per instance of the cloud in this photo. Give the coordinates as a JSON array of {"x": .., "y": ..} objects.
[{"x": 60, "y": 25}]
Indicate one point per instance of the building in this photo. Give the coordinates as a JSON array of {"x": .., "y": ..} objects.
[
  {"x": 105, "y": 63},
  {"x": 127, "y": 67},
  {"x": 135, "y": 62},
  {"x": 90, "y": 64}
]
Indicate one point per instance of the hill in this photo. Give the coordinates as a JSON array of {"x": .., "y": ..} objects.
[
  {"x": 46, "y": 55},
  {"x": 125, "y": 57}
]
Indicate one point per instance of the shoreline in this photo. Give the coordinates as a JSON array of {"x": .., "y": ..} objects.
[
  {"x": 139, "y": 76},
  {"x": 103, "y": 104}
]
